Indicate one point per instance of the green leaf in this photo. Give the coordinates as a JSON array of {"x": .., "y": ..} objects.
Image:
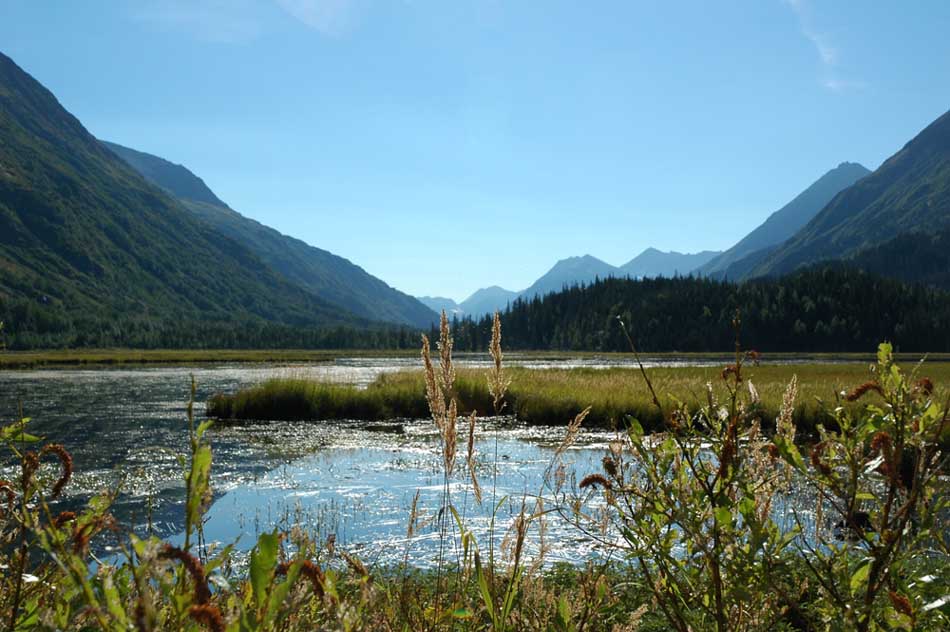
[
  {"x": 789, "y": 453},
  {"x": 485, "y": 591},
  {"x": 113, "y": 601},
  {"x": 885, "y": 353},
  {"x": 280, "y": 591},
  {"x": 723, "y": 515},
  {"x": 202, "y": 428},
  {"x": 860, "y": 576},
  {"x": 462, "y": 613},
  {"x": 563, "y": 619},
  {"x": 263, "y": 563},
  {"x": 634, "y": 429},
  {"x": 198, "y": 479}
]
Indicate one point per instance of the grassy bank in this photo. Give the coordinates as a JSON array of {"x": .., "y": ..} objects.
[
  {"x": 548, "y": 396},
  {"x": 105, "y": 357}
]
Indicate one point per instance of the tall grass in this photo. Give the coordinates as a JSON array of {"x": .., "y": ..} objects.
[{"x": 549, "y": 396}]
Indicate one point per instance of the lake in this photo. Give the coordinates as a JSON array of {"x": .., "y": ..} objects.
[{"x": 351, "y": 479}]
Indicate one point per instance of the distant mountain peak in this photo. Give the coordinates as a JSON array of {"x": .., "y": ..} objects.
[
  {"x": 786, "y": 221},
  {"x": 909, "y": 191},
  {"x": 655, "y": 263}
]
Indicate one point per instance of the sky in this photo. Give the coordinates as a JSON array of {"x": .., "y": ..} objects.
[{"x": 447, "y": 146}]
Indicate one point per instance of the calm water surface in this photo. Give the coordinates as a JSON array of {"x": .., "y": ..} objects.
[{"x": 347, "y": 478}]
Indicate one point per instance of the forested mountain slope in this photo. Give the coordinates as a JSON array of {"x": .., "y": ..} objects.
[
  {"x": 326, "y": 275},
  {"x": 909, "y": 192},
  {"x": 83, "y": 237}
]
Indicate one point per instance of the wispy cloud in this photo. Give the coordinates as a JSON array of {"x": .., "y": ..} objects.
[
  {"x": 843, "y": 85},
  {"x": 209, "y": 20},
  {"x": 826, "y": 49},
  {"x": 330, "y": 17}
]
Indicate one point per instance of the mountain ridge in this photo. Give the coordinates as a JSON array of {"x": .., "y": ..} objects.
[
  {"x": 909, "y": 191},
  {"x": 328, "y": 276},
  {"x": 785, "y": 222},
  {"x": 84, "y": 236}
]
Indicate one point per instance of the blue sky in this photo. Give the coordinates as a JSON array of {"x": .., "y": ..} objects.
[{"x": 446, "y": 146}]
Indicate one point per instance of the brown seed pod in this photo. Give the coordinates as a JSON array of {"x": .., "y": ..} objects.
[
  {"x": 881, "y": 441},
  {"x": 863, "y": 389},
  {"x": 66, "y": 460},
  {"x": 594, "y": 479},
  {"x": 816, "y": 453},
  {"x": 29, "y": 465},
  {"x": 208, "y": 615},
  {"x": 924, "y": 385},
  {"x": 901, "y": 603},
  {"x": 309, "y": 570},
  {"x": 63, "y": 518},
  {"x": 194, "y": 568}
]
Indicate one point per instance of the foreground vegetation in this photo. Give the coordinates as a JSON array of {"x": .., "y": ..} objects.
[
  {"x": 689, "y": 521},
  {"x": 549, "y": 396}
]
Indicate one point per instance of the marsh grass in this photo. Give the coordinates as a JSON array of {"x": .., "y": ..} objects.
[{"x": 550, "y": 396}]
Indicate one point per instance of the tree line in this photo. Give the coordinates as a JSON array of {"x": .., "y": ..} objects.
[{"x": 828, "y": 308}]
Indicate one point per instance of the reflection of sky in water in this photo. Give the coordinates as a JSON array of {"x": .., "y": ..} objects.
[
  {"x": 361, "y": 490},
  {"x": 331, "y": 477}
]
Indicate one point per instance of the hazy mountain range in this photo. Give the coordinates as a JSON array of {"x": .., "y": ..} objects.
[
  {"x": 894, "y": 221},
  {"x": 573, "y": 271}
]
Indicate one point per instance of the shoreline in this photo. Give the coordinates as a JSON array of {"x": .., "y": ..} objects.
[{"x": 71, "y": 358}]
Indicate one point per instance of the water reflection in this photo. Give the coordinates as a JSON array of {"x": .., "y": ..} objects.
[{"x": 348, "y": 478}]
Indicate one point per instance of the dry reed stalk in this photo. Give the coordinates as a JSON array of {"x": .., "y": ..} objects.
[
  {"x": 470, "y": 458},
  {"x": 573, "y": 428},
  {"x": 785, "y": 423},
  {"x": 413, "y": 516},
  {"x": 498, "y": 382},
  {"x": 445, "y": 355},
  {"x": 450, "y": 438},
  {"x": 434, "y": 394}
]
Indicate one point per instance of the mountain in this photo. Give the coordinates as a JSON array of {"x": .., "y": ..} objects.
[
  {"x": 909, "y": 192},
  {"x": 655, "y": 263},
  {"x": 328, "y": 276},
  {"x": 440, "y": 303},
  {"x": 788, "y": 220},
  {"x": 915, "y": 257},
  {"x": 568, "y": 272},
  {"x": 83, "y": 237},
  {"x": 487, "y": 301}
]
